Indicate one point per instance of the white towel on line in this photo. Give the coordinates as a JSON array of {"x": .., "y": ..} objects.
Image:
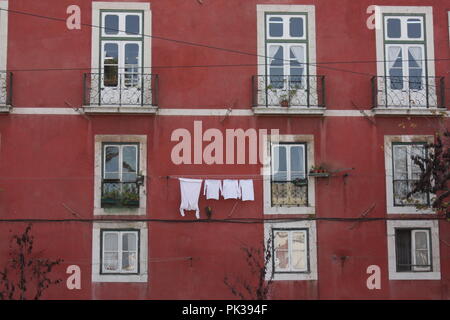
[
  {"x": 190, "y": 192},
  {"x": 212, "y": 189},
  {"x": 246, "y": 189},
  {"x": 230, "y": 189}
]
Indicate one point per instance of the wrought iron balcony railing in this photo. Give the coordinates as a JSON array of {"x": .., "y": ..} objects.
[
  {"x": 124, "y": 89},
  {"x": 116, "y": 194},
  {"x": 408, "y": 92},
  {"x": 6, "y": 87},
  {"x": 289, "y": 91}
]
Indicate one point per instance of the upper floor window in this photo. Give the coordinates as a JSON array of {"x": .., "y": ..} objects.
[
  {"x": 287, "y": 41},
  {"x": 5, "y": 77},
  {"x": 121, "y": 59},
  {"x": 289, "y": 180},
  {"x": 406, "y": 75}
]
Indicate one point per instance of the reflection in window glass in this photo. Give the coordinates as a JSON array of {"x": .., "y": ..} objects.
[
  {"x": 414, "y": 28},
  {"x": 275, "y": 27},
  {"x": 394, "y": 28},
  {"x": 111, "y": 24},
  {"x": 296, "y": 27},
  {"x": 132, "y": 24}
]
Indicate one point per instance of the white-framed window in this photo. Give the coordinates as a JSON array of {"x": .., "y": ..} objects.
[
  {"x": 119, "y": 252},
  {"x": 290, "y": 250},
  {"x": 120, "y": 171},
  {"x": 121, "y": 59},
  {"x": 288, "y": 189},
  {"x": 413, "y": 249},
  {"x": 289, "y": 178},
  {"x": 120, "y": 178},
  {"x": 406, "y": 69},
  {"x": 293, "y": 250},
  {"x": 402, "y": 173},
  {"x": 4, "y": 77},
  {"x": 406, "y": 173},
  {"x": 286, "y": 47}
]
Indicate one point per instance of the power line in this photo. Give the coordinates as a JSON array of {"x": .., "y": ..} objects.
[
  {"x": 206, "y": 46},
  {"x": 233, "y": 221}
]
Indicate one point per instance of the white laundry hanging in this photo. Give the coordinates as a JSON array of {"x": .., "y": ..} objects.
[
  {"x": 230, "y": 189},
  {"x": 190, "y": 192},
  {"x": 246, "y": 188},
  {"x": 212, "y": 189}
]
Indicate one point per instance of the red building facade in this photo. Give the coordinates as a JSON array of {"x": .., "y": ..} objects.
[{"x": 94, "y": 116}]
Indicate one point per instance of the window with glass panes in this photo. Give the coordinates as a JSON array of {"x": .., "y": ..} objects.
[
  {"x": 413, "y": 250},
  {"x": 121, "y": 45},
  {"x": 289, "y": 183},
  {"x": 406, "y": 173},
  {"x": 120, "y": 251},
  {"x": 405, "y": 52},
  {"x": 290, "y": 250},
  {"x": 286, "y": 50},
  {"x": 120, "y": 173}
]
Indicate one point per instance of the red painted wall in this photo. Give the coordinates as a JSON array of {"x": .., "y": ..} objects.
[{"x": 47, "y": 161}]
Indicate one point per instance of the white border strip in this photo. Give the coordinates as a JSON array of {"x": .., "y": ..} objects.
[
  {"x": 193, "y": 112},
  {"x": 3, "y": 34}
]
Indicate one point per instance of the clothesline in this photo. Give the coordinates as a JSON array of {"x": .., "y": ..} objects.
[{"x": 218, "y": 176}]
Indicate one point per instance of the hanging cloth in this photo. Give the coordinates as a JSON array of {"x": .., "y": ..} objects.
[{"x": 190, "y": 192}]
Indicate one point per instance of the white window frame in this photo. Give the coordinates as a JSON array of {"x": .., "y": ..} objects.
[
  {"x": 414, "y": 249},
  {"x": 389, "y": 171},
  {"x": 288, "y": 158},
  {"x": 146, "y": 59},
  {"x": 3, "y": 35},
  {"x": 311, "y": 273},
  {"x": 269, "y": 141},
  {"x": 403, "y": 28},
  {"x": 97, "y": 276},
  {"x": 290, "y": 233},
  {"x": 428, "y": 12},
  {"x": 98, "y": 174},
  {"x": 122, "y": 24},
  {"x": 285, "y": 23},
  {"x": 120, "y": 251},
  {"x": 433, "y": 225},
  {"x": 310, "y": 30}
]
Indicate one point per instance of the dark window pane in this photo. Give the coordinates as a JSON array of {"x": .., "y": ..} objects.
[
  {"x": 276, "y": 27},
  {"x": 296, "y": 27},
  {"x": 403, "y": 249},
  {"x": 111, "y": 24},
  {"x": 132, "y": 25},
  {"x": 394, "y": 28},
  {"x": 414, "y": 28}
]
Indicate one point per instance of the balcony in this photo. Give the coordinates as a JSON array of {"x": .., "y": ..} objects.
[
  {"x": 116, "y": 194},
  {"x": 6, "y": 79},
  {"x": 120, "y": 93},
  {"x": 408, "y": 95},
  {"x": 289, "y": 95}
]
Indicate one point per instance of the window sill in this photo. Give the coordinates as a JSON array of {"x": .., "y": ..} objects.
[
  {"x": 120, "y": 211},
  {"x": 399, "y": 111},
  {"x": 312, "y": 111},
  {"x": 408, "y": 210},
  {"x": 414, "y": 276},
  {"x": 119, "y": 278},
  {"x": 5, "y": 109},
  {"x": 120, "y": 109},
  {"x": 293, "y": 276},
  {"x": 289, "y": 210}
]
